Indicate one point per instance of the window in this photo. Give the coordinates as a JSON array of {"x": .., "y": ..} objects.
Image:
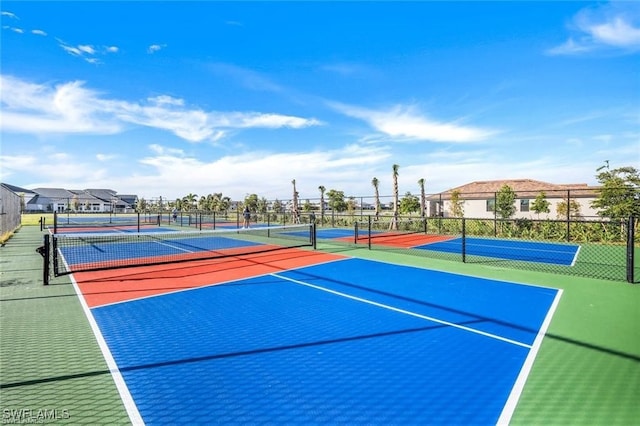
[
  {"x": 524, "y": 205},
  {"x": 491, "y": 205}
]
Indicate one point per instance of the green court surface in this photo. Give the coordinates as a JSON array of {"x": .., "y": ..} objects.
[{"x": 52, "y": 370}]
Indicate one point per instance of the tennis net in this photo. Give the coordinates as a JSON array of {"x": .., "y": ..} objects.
[
  {"x": 74, "y": 222},
  {"x": 96, "y": 251}
]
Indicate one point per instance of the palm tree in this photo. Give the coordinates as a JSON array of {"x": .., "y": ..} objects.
[
  {"x": 375, "y": 182},
  {"x": 294, "y": 202},
  {"x": 423, "y": 198},
  {"x": 322, "y": 189},
  {"x": 189, "y": 200},
  {"x": 394, "y": 222}
]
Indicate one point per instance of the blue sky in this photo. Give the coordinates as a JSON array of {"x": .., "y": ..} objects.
[{"x": 170, "y": 98}]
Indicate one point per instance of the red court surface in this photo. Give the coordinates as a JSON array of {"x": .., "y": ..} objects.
[
  {"x": 119, "y": 285},
  {"x": 400, "y": 240}
]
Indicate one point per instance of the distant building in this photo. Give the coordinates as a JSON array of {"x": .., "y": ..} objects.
[
  {"x": 478, "y": 198},
  {"x": 49, "y": 200}
]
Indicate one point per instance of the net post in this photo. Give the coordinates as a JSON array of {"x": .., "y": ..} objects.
[
  {"x": 464, "y": 241},
  {"x": 46, "y": 260},
  {"x": 138, "y": 221},
  {"x": 630, "y": 249},
  {"x": 314, "y": 235},
  {"x": 201, "y": 221},
  {"x": 55, "y": 222}
]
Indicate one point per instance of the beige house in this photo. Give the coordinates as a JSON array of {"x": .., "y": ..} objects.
[{"x": 478, "y": 199}]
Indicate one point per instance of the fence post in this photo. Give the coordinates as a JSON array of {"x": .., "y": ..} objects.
[
  {"x": 355, "y": 233},
  {"x": 464, "y": 240},
  {"x": 630, "y": 250},
  {"x": 45, "y": 255},
  {"x": 314, "y": 235},
  {"x": 369, "y": 234},
  {"x": 568, "y": 215}
]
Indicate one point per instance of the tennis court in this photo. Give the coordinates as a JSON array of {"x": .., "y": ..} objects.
[
  {"x": 528, "y": 251},
  {"x": 302, "y": 336},
  {"x": 496, "y": 248}
]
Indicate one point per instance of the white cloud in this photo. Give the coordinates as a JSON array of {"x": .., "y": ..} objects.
[
  {"x": 63, "y": 108},
  {"x": 112, "y": 49},
  {"x": 612, "y": 27},
  {"x": 71, "y": 108},
  {"x": 17, "y": 30},
  {"x": 85, "y": 48},
  {"x": 9, "y": 14},
  {"x": 105, "y": 157},
  {"x": 38, "y": 32},
  {"x": 406, "y": 123},
  {"x": 155, "y": 48}
]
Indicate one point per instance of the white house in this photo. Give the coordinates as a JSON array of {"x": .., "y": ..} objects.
[{"x": 477, "y": 199}]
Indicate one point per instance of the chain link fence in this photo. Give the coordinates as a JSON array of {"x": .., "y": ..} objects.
[{"x": 598, "y": 249}]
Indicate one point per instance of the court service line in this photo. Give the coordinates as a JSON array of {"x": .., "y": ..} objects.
[
  {"x": 514, "y": 396},
  {"x": 402, "y": 311}
]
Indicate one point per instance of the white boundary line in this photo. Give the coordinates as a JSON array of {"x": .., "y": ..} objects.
[
  {"x": 575, "y": 257},
  {"x": 402, "y": 311},
  {"x": 123, "y": 390},
  {"x": 516, "y": 392}
]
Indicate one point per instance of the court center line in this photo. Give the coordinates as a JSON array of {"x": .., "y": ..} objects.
[{"x": 402, "y": 311}]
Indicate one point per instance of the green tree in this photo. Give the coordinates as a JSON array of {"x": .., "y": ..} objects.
[
  {"x": 277, "y": 206},
  {"x": 202, "y": 203},
  {"x": 251, "y": 201},
  {"x": 572, "y": 205},
  {"x": 336, "y": 200},
  {"x": 75, "y": 203},
  {"x": 457, "y": 204},
  {"x": 322, "y": 189},
  {"x": 409, "y": 203},
  {"x": 505, "y": 202},
  {"x": 262, "y": 205},
  {"x": 619, "y": 194},
  {"x": 351, "y": 205},
  {"x": 394, "y": 222},
  {"x": 189, "y": 201},
  {"x": 540, "y": 204},
  {"x": 423, "y": 197},
  {"x": 375, "y": 182},
  {"x": 141, "y": 205}
]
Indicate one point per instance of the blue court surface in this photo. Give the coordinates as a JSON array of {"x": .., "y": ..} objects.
[
  {"x": 529, "y": 251},
  {"x": 347, "y": 342}
]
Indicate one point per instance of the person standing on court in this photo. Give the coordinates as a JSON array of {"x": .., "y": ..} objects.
[{"x": 246, "y": 214}]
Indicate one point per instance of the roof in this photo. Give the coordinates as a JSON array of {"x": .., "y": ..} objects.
[
  {"x": 17, "y": 189},
  {"x": 522, "y": 187},
  {"x": 53, "y": 192},
  {"x": 103, "y": 194}
]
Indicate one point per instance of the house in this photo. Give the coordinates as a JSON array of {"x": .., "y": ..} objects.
[
  {"x": 478, "y": 199},
  {"x": 116, "y": 203},
  {"x": 25, "y": 194},
  {"x": 49, "y": 200},
  {"x": 78, "y": 200}
]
